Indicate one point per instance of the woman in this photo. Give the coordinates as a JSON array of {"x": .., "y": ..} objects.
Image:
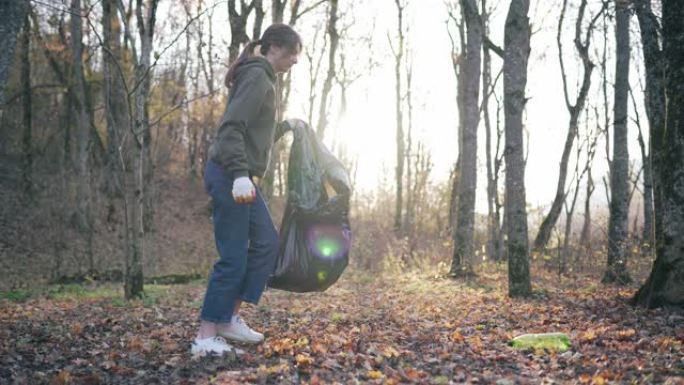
[{"x": 246, "y": 239}]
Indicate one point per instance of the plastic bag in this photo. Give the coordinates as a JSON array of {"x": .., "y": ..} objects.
[{"x": 315, "y": 236}]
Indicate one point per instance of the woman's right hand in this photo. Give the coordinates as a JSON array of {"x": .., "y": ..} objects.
[{"x": 243, "y": 190}]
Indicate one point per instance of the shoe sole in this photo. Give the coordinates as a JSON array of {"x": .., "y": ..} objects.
[
  {"x": 239, "y": 339},
  {"x": 203, "y": 353}
]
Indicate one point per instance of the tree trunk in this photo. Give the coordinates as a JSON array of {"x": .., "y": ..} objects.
[
  {"x": 278, "y": 10},
  {"x": 647, "y": 231},
  {"x": 411, "y": 190},
  {"x": 458, "y": 64},
  {"x": 665, "y": 285},
  {"x": 569, "y": 214},
  {"x": 334, "y": 37},
  {"x": 258, "y": 20},
  {"x": 148, "y": 250},
  {"x": 498, "y": 205},
  {"x": 399, "y": 173},
  {"x": 585, "y": 236},
  {"x": 493, "y": 225},
  {"x": 205, "y": 139},
  {"x": 12, "y": 18},
  {"x": 655, "y": 103},
  {"x": 141, "y": 210},
  {"x": 616, "y": 270},
  {"x": 516, "y": 54},
  {"x": 27, "y": 164},
  {"x": 465, "y": 218},
  {"x": 238, "y": 28},
  {"x": 114, "y": 95},
  {"x": 83, "y": 135}
]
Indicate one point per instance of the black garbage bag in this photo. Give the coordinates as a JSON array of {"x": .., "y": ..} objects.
[{"x": 315, "y": 236}]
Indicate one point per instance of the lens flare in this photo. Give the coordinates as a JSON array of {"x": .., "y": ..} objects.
[
  {"x": 322, "y": 275},
  {"x": 327, "y": 241}
]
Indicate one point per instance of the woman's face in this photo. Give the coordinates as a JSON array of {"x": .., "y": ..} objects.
[{"x": 283, "y": 58}]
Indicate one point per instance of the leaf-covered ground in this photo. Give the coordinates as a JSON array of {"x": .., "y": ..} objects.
[{"x": 391, "y": 330}]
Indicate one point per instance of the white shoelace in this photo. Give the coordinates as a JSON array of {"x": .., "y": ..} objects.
[{"x": 239, "y": 321}]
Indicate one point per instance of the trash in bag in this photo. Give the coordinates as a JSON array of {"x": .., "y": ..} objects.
[{"x": 315, "y": 236}]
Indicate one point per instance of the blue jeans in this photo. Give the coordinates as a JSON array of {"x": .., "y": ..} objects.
[{"x": 247, "y": 243}]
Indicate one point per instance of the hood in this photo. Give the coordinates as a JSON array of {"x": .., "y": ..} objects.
[{"x": 257, "y": 61}]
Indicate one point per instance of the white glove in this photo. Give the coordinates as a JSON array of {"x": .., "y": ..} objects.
[{"x": 243, "y": 190}]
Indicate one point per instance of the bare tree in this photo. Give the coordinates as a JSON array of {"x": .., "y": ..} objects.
[
  {"x": 647, "y": 231},
  {"x": 585, "y": 236},
  {"x": 12, "y": 18},
  {"x": 410, "y": 190},
  {"x": 575, "y": 109},
  {"x": 590, "y": 144},
  {"x": 665, "y": 286},
  {"x": 238, "y": 26},
  {"x": 457, "y": 61},
  {"x": 207, "y": 68},
  {"x": 398, "y": 52},
  {"x": 422, "y": 166},
  {"x": 654, "y": 101},
  {"x": 259, "y": 14},
  {"x": 114, "y": 95},
  {"x": 493, "y": 219},
  {"x": 585, "y": 240},
  {"x": 616, "y": 270},
  {"x": 27, "y": 107},
  {"x": 83, "y": 165},
  {"x": 516, "y": 54},
  {"x": 137, "y": 200},
  {"x": 59, "y": 70},
  {"x": 461, "y": 264},
  {"x": 333, "y": 39},
  {"x": 278, "y": 10},
  {"x": 606, "y": 106}
]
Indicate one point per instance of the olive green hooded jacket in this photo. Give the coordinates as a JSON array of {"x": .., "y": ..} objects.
[{"x": 248, "y": 129}]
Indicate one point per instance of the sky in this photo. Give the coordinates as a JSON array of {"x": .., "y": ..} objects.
[{"x": 369, "y": 127}]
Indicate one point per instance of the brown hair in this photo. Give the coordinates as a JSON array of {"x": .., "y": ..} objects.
[{"x": 278, "y": 34}]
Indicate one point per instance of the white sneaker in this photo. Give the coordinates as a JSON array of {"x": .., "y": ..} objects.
[
  {"x": 212, "y": 345},
  {"x": 238, "y": 330}
]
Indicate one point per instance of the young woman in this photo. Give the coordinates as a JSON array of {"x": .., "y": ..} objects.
[{"x": 246, "y": 239}]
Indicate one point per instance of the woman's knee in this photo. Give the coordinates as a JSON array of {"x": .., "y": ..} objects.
[
  {"x": 267, "y": 243},
  {"x": 226, "y": 269}
]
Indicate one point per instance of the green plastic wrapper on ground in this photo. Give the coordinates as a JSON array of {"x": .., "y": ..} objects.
[{"x": 551, "y": 341}]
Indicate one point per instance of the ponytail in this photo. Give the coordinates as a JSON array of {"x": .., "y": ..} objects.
[{"x": 246, "y": 54}]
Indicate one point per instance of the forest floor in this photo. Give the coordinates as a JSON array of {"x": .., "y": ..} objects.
[{"x": 366, "y": 329}]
